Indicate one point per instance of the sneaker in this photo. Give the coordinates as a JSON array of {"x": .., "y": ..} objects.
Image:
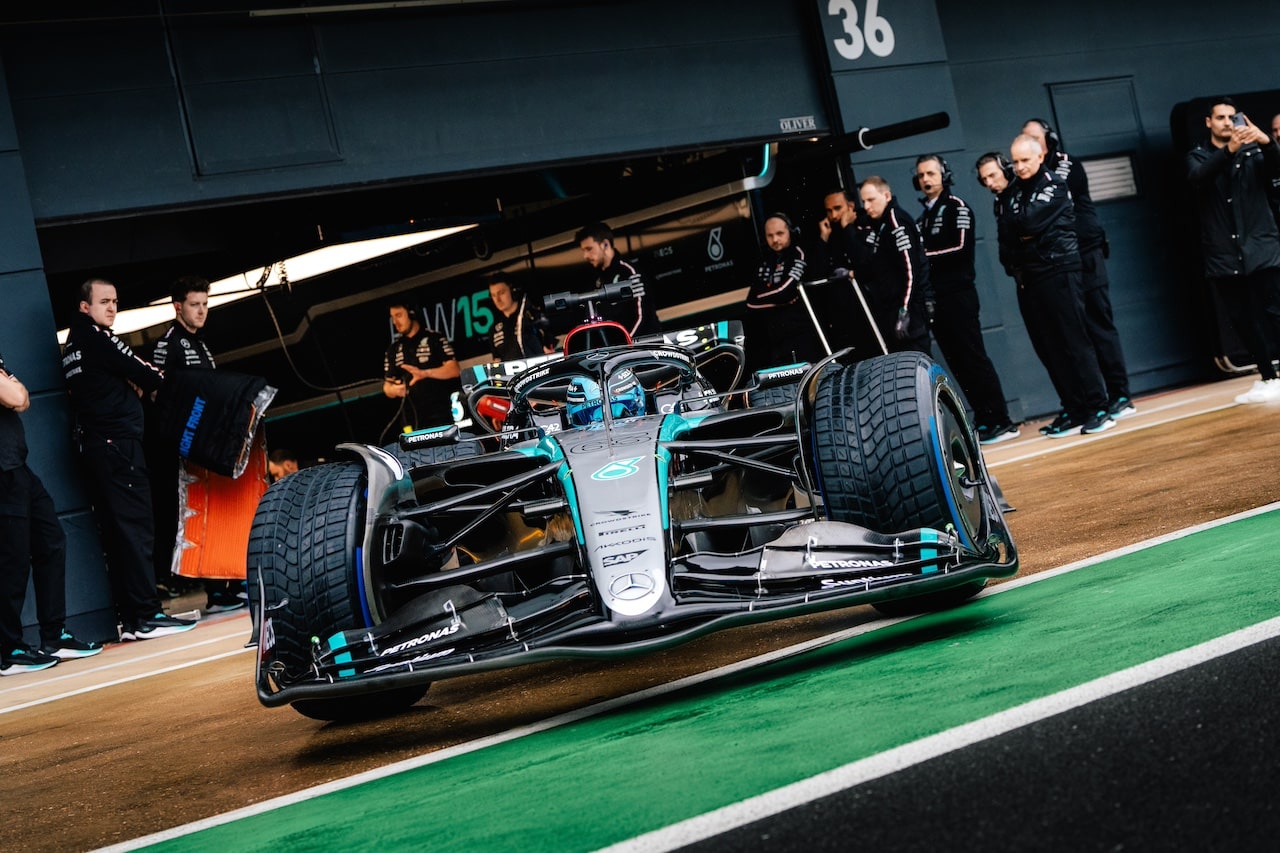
[
  {"x": 999, "y": 433},
  {"x": 220, "y": 602},
  {"x": 1100, "y": 422},
  {"x": 68, "y": 647},
  {"x": 160, "y": 625},
  {"x": 1263, "y": 391},
  {"x": 1121, "y": 407},
  {"x": 1062, "y": 422},
  {"x": 1063, "y": 425},
  {"x": 22, "y": 659}
]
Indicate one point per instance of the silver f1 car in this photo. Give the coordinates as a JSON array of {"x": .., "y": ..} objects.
[{"x": 618, "y": 500}]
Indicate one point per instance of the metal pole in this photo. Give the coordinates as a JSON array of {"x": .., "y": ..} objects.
[
  {"x": 817, "y": 327},
  {"x": 884, "y": 350}
]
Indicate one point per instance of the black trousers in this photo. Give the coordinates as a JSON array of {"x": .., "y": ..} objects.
[
  {"x": 1101, "y": 325},
  {"x": 1252, "y": 303},
  {"x": 958, "y": 331},
  {"x": 1050, "y": 306},
  {"x": 32, "y": 545},
  {"x": 121, "y": 492}
]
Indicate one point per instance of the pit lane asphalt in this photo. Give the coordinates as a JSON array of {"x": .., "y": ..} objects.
[
  {"x": 143, "y": 755},
  {"x": 1188, "y": 762}
]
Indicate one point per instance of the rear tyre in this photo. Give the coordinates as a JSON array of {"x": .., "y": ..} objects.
[
  {"x": 894, "y": 451},
  {"x": 305, "y": 545}
]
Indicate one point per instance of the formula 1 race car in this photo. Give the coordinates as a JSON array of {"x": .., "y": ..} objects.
[{"x": 618, "y": 500}]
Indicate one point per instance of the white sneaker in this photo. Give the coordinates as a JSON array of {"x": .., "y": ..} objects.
[{"x": 1263, "y": 391}]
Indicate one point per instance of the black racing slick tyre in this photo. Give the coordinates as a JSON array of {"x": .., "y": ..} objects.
[
  {"x": 894, "y": 451},
  {"x": 305, "y": 543}
]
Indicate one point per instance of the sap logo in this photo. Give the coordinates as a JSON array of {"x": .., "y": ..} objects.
[{"x": 619, "y": 559}]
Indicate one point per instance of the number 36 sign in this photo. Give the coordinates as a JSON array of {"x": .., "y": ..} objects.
[{"x": 871, "y": 33}]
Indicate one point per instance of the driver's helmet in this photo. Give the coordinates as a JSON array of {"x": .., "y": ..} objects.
[{"x": 626, "y": 398}]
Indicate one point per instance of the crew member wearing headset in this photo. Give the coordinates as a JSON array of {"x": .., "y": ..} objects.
[
  {"x": 895, "y": 273},
  {"x": 420, "y": 368},
  {"x": 946, "y": 228},
  {"x": 778, "y": 327}
]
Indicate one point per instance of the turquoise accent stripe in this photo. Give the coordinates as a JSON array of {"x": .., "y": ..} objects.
[{"x": 928, "y": 535}]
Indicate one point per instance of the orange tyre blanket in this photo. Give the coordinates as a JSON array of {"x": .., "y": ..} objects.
[{"x": 216, "y": 513}]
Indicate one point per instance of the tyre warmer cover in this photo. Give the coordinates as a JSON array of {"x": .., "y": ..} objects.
[
  {"x": 215, "y": 516},
  {"x": 210, "y": 416}
]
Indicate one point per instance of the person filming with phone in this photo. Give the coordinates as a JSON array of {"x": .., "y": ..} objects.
[{"x": 1230, "y": 174}]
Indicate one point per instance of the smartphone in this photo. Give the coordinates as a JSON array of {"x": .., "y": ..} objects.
[{"x": 1238, "y": 119}]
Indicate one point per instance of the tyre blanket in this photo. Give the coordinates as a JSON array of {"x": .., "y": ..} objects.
[{"x": 216, "y": 513}]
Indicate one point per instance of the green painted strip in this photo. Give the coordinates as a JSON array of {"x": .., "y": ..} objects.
[{"x": 613, "y": 777}]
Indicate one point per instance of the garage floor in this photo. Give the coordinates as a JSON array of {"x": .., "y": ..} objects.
[{"x": 154, "y": 734}]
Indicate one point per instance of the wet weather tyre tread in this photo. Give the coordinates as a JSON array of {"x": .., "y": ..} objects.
[
  {"x": 304, "y": 539},
  {"x": 777, "y": 396},
  {"x": 876, "y": 458}
]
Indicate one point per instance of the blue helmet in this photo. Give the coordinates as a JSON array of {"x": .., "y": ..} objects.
[{"x": 585, "y": 400}]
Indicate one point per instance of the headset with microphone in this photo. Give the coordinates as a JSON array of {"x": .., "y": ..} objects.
[
  {"x": 1051, "y": 139},
  {"x": 1000, "y": 160},
  {"x": 786, "y": 220},
  {"x": 947, "y": 177}
]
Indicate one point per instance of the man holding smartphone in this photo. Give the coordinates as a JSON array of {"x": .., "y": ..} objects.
[{"x": 1230, "y": 174}]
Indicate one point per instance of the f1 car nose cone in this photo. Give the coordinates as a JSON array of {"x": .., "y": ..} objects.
[{"x": 631, "y": 586}]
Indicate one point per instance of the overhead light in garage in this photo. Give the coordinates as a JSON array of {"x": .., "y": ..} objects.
[{"x": 300, "y": 268}]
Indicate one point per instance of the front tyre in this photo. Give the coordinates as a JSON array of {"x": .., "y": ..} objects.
[
  {"x": 305, "y": 543},
  {"x": 894, "y": 451}
]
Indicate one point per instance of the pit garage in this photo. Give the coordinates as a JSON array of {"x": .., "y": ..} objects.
[{"x": 236, "y": 140}]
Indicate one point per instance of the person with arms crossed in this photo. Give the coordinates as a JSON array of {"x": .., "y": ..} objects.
[
  {"x": 778, "y": 327},
  {"x": 105, "y": 380},
  {"x": 32, "y": 545}
]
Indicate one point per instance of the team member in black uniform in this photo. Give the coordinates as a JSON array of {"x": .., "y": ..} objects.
[
  {"x": 778, "y": 328},
  {"x": 1038, "y": 248},
  {"x": 105, "y": 380},
  {"x": 1230, "y": 175},
  {"x": 835, "y": 253},
  {"x": 182, "y": 348},
  {"x": 946, "y": 227},
  {"x": 420, "y": 368},
  {"x": 638, "y": 315},
  {"x": 894, "y": 273},
  {"x": 33, "y": 545},
  {"x": 1095, "y": 288},
  {"x": 516, "y": 331}
]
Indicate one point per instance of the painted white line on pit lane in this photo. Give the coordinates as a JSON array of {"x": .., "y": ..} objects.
[
  {"x": 663, "y": 689},
  {"x": 1051, "y": 445},
  {"x": 148, "y": 674},
  {"x": 894, "y": 760},
  {"x": 80, "y": 672}
]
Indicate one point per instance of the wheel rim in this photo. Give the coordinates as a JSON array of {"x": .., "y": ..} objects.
[{"x": 961, "y": 469}]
